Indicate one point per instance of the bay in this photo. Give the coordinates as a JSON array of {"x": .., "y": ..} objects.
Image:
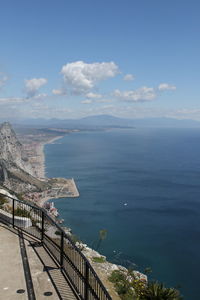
[{"x": 143, "y": 187}]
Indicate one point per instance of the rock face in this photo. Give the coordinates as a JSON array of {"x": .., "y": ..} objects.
[
  {"x": 11, "y": 149},
  {"x": 15, "y": 170}
]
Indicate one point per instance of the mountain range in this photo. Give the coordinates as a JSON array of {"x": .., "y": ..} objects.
[{"x": 108, "y": 121}]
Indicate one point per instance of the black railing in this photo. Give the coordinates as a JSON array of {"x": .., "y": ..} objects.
[{"x": 36, "y": 222}]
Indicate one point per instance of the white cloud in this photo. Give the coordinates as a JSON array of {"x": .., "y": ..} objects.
[
  {"x": 12, "y": 100},
  {"x": 33, "y": 85},
  {"x": 93, "y": 96},
  {"x": 185, "y": 111},
  {"x": 61, "y": 92},
  {"x": 129, "y": 77},
  {"x": 166, "y": 86},
  {"x": 9, "y": 100},
  {"x": 3, "y": 79},
  {"x": 81, "y": 77},
  {"x": 87, "y": 101},
  {"x": 141, "y": 94},
  {"x": 40, "y": 96},
  {"x": 104, "y": 101}
]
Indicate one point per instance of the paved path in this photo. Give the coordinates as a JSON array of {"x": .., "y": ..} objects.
[
  {"x": 48, "y": 281},
  {"x": 11, "y": 269}
]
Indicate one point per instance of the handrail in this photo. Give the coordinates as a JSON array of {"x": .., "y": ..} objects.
[{"x": 74, "y": 264}]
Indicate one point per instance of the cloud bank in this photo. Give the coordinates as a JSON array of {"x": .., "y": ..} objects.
[{"x": 142, "y": 94}]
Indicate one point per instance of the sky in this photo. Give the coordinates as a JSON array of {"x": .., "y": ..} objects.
[{"x": 70, "y": 59}]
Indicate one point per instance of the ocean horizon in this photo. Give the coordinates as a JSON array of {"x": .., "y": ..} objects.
[{"x": 143, "y": 187}]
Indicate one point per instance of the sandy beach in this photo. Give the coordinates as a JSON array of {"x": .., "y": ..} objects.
[
  {"x": 61, "y": 187},
  {"x": 39, "y": 149}
]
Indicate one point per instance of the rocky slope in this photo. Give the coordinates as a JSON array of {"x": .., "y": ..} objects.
[
  {"x": 15, "y": 170},
  {"x": 11, "y": 149},
  {"x": 19, "y": 175}
]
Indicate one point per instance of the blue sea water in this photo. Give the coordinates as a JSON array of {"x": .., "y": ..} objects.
[{"x": 143, "y": 187}]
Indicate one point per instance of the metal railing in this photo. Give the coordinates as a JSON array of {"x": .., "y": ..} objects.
[{"x": 36, "y": 222}]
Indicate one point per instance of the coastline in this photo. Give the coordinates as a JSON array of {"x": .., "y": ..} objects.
[
  {"x": 62, "y": 187},
  {"x": 70, "y": 185},
  {"x": 104, "y": 269},
  {"x": 41, "y": 174}
]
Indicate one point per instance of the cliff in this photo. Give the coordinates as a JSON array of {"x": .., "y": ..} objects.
[
  {"x": 18, "y": 174},
  {"x": 11, "y": 150},
  {"x": 15, "y": 170}
]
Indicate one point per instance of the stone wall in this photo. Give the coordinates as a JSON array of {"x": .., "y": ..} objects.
[{"x": 19, "y": 221}]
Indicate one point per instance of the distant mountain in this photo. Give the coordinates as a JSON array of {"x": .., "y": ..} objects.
[
  {"x": 108, "y": 121},
  {"x": 166, "y": 123},
  {"x": 105, "y": 120},
  {"x": 91, "y": 122}
]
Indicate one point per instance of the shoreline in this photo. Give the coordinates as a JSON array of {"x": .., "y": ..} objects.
[
  {"x": 68, "y": 186},
  {"x": 71, "y": 185},
  {"x": 41, "y": 173},
  {"x": 105, "y": 269}
]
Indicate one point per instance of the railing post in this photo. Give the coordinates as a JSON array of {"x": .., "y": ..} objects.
[
  {"x": 42, "y": 233},
  {"x": 61, "y": 249},
  {"x": 86, "y": 280},
  {"x": 13, "y": 213}
]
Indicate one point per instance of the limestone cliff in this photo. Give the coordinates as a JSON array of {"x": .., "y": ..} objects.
[
  {"x": 11, "y": 149},
  {"x": 15, "y": 170}
]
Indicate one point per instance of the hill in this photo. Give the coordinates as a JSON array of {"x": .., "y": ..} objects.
[{"x": 107, "y": 121}]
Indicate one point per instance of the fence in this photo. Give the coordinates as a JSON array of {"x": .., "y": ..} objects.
[{"x": 74, "y": 264}]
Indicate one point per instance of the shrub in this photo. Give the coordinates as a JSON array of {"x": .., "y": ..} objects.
[
  {"x": 57, "y": 232},
  {"x": 156, "y": 290},
  {"x": 122, "y": 285},
  {"x": 130, "y": 288},
  {"x": 117, "y": 276},
  {"x": 100, "y": 259},
  {"x": 3, "y": 201},
  {"x": 22, "y": 212}
]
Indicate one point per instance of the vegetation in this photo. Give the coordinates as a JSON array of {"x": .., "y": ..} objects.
[
  {"x": 75, "y": 238},
  {"x": 20, "y": 196},
  {"x": 3, "y": 201},
  {"x": 157, "y": 290},
  {"x": 99, "y": 259},
  {"x": 131, "y": 288},
  {"x": 57, "y": 232},
  {"x": 22, "y": 212}
]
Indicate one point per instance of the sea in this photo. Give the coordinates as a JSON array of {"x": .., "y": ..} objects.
[{"x": 142, "y": 186}]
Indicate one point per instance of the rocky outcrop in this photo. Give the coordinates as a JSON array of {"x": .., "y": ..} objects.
[
  {"x": 11, "y": 150},
  {"x": 15, "y": 170},
  {"x": 18, "y": 175},
  {"x": 105, "y": 266},
  {"x": 104, "y": 269}
]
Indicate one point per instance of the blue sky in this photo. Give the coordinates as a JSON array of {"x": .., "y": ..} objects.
[{"x": 70, "y": 59}]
